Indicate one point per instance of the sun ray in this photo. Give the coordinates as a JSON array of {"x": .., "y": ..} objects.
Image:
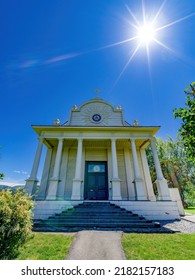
[
  {"x": 159, "y": 11},
  {"x": 143, "y": 13},
  {"x": 149, "y": 64},
  {"x": 126, "y": 65},
  {"x": 163, "y": 45},
  {"x": 134, "y": 17},
  {"x": 116, "y": 44},
  {"x": 174, "y": 22}
]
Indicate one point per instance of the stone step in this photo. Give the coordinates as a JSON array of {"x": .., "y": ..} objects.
[
  {"x": 98, "y": 210},
  {"x": 98, "y": 221},
  {"x": 96, "y": 217},
  {"x": 88, "y": 204},
  {"x": 101, "y": 215},
  {"x": 96, "y": 214},
  {"x": 100, "y": 225},
  {"x": 127, "y": 230}
]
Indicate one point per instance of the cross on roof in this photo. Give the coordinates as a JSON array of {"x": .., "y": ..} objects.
[{"x": 97, "y": 91}]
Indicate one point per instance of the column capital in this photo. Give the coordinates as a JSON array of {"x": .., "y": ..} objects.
[{"x": 60, "y": 139}]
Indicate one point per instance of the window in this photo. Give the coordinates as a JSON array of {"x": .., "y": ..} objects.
[{"x": 96, "y": 168}]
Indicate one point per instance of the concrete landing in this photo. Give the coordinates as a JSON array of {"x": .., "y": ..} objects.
[{"x": 97, "y": 245}]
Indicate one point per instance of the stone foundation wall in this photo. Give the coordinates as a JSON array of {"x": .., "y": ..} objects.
[{"x": 153, "y": 210}]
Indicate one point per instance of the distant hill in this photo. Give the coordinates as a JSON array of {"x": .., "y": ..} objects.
[{"x": 6, "y": 187}]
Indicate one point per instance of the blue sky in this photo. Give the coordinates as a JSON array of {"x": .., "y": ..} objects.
[{"x": 54, "y": 54}]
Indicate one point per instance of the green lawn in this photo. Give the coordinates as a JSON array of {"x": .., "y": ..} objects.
[
  {"x": 190, "y": 210},
  {"x": 159, "y": 246},
  {"x": 136, "y": 246},
  {"x": 46, "y": 247}
]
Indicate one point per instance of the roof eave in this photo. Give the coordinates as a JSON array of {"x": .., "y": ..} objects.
[{"x": 45, "y": 128}]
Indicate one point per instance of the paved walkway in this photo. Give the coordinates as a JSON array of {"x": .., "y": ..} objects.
[
  {"x": 106, "y": 245},
  {"x": 97, "y": 245},
  {"x": 188, "y": 217}
]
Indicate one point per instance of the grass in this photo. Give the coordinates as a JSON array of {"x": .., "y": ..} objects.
[
  {"x": 136, "y": 246},
  {"x": 190, "y": 210},
  {"x": 159, "y": 246},
  {"x": 46, "y": 247}
]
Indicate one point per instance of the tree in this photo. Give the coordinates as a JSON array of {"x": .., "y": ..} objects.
[
  {"x": 15, "y": 222},
  {"x": 187, "y": 115},
  {"x": 176, "y": 167}
]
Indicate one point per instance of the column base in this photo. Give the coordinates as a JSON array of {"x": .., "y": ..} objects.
[
  {"x": 116, "y": 189},
  {"x": 76, "y": 189},
  {"x": 52, "y": 190},
  {"x": 61, "y": 198},
  {"x": 152, "y": 198},
  {"x": 140, "y": 189},
  {"x": 163, "y": 190},
  {"x": 31, "y": 186}
]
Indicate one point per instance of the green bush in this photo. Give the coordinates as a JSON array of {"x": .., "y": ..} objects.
[{"x": 15, "y": 222}]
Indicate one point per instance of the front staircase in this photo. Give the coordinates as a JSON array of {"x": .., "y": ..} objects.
[{"x": 95, "y": 216}]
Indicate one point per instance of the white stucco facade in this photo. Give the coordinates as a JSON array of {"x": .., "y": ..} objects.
[{"x": 96, "y": 155}]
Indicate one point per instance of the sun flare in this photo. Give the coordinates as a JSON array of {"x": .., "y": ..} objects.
[
  {"x": 146, "y": 33},
  {"x": 146, "y": 30}
]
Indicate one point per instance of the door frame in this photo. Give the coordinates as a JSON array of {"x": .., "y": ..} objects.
[{"x": 86, "y": 176}]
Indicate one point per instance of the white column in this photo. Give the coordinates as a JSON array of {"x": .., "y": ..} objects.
[
  {"x": 130, "y": 184},
  {"x": 159, "y": 173},
  {"x": 139, "y": 184},
  {"x": 79, "y": 159},
  {"x": 161, "y": 182},
  {"x": 63, "y": 170},
  {"x": 116, "y": 188},
  {"x": 45, "y": 176},
  {"x": 31, "y": 182},
  {"x": 53, "y": 182},
  {"x": 56, "y": 169},
  {"x": 137, "y": 173},
  {"x": 148, "y": 181},
  {"x": 76, "y": 187},
  {"x": 33, "y": 175}
]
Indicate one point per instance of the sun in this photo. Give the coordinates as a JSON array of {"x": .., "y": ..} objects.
[
  {"x": 146, "y": 33},
  {"x": 146, "y": 29}
]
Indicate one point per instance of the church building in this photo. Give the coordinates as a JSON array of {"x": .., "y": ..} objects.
[{"x": 98, "y": 156}]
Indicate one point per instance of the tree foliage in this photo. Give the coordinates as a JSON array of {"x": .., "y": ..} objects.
[
  {"x": 187, "y": 115},
  {"x": 176, "y": 167},
  {"x": 15, "y": 222}
]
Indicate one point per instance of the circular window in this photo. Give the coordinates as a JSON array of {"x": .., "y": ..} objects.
[{"x": 96, "y": 118}]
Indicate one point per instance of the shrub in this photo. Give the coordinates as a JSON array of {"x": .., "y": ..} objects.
[{"x": 15, "y": 222}]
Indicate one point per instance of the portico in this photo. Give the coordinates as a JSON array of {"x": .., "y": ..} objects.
[{"x": 96, "y": 155}]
